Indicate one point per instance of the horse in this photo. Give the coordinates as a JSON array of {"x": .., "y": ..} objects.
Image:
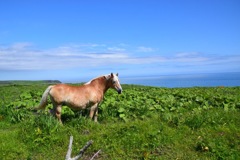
[{"x": 88, "y": 95}]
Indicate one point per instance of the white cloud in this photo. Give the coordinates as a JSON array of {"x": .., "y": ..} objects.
[
  {"x": 187, "y": 54},
  {"x": 21, "y": 46},
  {"x": 107, "y": 55},
  {"x": 145, "y": 49},
  {"x": 190, "y": 57},
  {"x": 25, "y": 56},
  {"x": 116, "y": 49}
]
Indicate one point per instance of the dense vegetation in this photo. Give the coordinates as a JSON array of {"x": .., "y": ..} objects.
[{"x": 141, "y": 123}]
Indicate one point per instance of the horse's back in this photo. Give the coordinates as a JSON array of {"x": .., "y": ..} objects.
[
  {"x": 74, "y": 95},
  {"x": 68, "y": 89}
]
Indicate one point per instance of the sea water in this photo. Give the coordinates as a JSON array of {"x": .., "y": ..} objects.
[{"x": 186, "y": 80}]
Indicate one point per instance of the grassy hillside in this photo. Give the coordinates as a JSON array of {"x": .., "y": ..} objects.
[
  {"x": 22, "y": 82},
  {"x": 141, "y": 123}
]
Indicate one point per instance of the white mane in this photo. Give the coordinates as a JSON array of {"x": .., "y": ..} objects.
[{"x": 107, "y": 76}]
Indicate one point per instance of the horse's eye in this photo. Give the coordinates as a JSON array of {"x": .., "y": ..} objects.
[{"x": 113, "y": 82}]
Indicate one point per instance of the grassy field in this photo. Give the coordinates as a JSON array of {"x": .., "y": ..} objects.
[{"x": 141, "y": 123}]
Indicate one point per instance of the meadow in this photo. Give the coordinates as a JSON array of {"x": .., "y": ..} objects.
[{"x": 141, "y": 123}]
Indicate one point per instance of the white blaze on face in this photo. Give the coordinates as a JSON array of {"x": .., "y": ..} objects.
[
  {"x": 117, "y": 83},
  {"x": 116, "y": 80}
]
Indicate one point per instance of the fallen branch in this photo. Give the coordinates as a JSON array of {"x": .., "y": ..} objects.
[
  {"x": 68, "y": 155},
  {"x": 95, "y": 154}
]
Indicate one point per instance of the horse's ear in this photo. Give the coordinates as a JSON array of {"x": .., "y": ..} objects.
[
  {"x": 112, "y": 75},
  {"x": 117, "y": 74}
]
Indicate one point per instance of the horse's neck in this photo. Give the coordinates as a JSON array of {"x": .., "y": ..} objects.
[{"x": 100, "y": 84}]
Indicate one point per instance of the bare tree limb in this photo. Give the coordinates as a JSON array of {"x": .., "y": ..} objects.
[
  {"x": 95, "y": 154},
  {"x": 68, "y": 155},
  {"x": 88, "y": 144}
]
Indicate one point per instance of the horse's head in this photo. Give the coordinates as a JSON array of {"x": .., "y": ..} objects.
[{"x": 114, "y": 83}]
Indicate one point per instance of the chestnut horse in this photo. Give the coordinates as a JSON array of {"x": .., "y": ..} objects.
[{"x": 85, "y": 96}]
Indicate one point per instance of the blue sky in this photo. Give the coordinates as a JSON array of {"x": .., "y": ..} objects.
[{"x": 73, "y": 40}]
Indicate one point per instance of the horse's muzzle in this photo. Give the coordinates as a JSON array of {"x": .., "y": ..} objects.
[{"x": 119, "y": 91}]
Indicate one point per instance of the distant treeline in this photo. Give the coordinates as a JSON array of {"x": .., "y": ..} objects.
[{"x": 28, "y": 82}]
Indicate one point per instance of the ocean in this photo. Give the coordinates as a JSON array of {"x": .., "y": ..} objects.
[{"x": 187, "y": 80}]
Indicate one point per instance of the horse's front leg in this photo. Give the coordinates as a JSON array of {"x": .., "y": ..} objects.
[{"x": 94, "y": 112}]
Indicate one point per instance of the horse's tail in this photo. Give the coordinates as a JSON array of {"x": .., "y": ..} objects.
[{"x": 43, "y": 101}]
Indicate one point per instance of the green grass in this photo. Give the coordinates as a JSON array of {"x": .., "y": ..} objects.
[{"x": 142, "y": 123}]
